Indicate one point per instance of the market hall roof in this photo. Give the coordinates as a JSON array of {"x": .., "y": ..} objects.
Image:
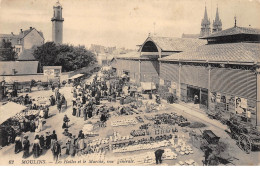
[
  {"x": 130, "y": 55},
  {"x": 172, "y": 44},
  {"x": 232, "y": 53},
  {"x": 234, "y": 31}
]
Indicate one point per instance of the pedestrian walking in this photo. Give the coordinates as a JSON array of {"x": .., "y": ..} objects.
[
  {"x": 56, "y": 150},
  {"x": 26, "y": 147},
  {"x": 158, "y": 156},
  {"x": 18, "y": 144}
]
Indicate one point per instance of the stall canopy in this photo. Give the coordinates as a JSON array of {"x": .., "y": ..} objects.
[
  {"x": 9, "y": 110},
  {"x": 76, "y": 76},
  {"x": 148, "y": 86}
]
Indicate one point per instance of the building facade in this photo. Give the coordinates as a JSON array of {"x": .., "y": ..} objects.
[
  {"x": 24, "y": 41},
  {"x": 57, "y": 24}
]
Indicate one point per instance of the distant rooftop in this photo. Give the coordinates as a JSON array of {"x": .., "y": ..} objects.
[
  {"x": 234, "y": 31},
  {"x": 176, "y": 44}
]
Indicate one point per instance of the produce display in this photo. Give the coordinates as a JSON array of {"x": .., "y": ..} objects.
[
  {"x": 169, "y": 154},
  {"x": 41, "y": 101},
  {"x": 27, "y": 113},
  {"x": 136, "y": 133},
  {"x": 181, "y": 147},
  {"x": 124, "y": 121}
]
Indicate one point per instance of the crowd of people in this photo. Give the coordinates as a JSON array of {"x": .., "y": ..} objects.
[
  {"x": 86, "y": 101},
  {"x": 87, "y": 97},
  {"x": 40, "y": 143}
]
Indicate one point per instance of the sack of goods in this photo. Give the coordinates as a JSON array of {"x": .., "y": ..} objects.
[{"x": 181, "y": 147}]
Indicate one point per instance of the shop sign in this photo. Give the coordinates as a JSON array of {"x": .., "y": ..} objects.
[{"x": 48, "y": 72}]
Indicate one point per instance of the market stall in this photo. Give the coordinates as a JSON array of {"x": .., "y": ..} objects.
[{"x": 9, "y": 110}]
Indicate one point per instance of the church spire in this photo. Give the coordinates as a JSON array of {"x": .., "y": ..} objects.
[
  {"x": 205, "y": 24},
  {"x": 217, "y": 24},
  {"x": 205, "y": 14}
]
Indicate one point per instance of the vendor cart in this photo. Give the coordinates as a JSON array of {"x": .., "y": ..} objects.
[{"x": 247, "y": 137}]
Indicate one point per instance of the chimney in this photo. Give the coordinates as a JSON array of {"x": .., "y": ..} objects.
[
  {"x": 30, "y": 28},
  {"x": 21, "y": 30}
]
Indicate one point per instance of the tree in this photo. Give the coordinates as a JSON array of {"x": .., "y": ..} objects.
[
  {"x": 7, "y": 51},
  {"x": 67, "y": 56},
  {"x": 46, "y": 54}
]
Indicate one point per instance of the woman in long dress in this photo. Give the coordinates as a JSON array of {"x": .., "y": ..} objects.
[
  {"x": 78, "y": 110},
  {"x": 81, "y": 144},
  {"x": 26, "y": 147},
  {"x": 36, "y": 147},
  {"x": 48, "y": 140},
  {"x": 32, "y": 126},
  {"x": 40, "y": 125},
  {"x": 74, "y": 110},
  {"x": 18, "y": 144}
]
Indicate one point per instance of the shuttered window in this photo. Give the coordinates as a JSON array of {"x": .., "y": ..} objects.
[
  {"x": 169, "y": 72},
  {"x": 236, "y": 82},
  {"x": 194, "y": 75}
]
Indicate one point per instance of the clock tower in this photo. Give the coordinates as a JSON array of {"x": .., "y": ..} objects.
[{"x": 57, "y": 23}]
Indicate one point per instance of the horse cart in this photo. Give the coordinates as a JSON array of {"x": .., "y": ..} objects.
[{"x": 246, "y": 135}]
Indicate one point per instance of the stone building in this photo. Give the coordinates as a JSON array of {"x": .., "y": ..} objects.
[{"x": 24, "y": 42}]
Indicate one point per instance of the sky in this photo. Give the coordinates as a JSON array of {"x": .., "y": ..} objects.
[{"x": 123, "y": 23}]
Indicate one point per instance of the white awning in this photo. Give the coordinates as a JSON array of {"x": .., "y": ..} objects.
[
  {"x": 9, "y": 110},
  {"x": 76, "y": 76}
]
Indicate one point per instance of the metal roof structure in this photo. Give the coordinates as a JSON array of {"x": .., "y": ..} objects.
[
  {"x": 175, "y": 44},
  {"x": 234, "y": 31},
  {"x": 232, "y": 53}
]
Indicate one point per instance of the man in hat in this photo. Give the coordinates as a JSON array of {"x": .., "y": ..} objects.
[
  {"x": 56, "y": 150},
  {"x": 26, "y": 147}
]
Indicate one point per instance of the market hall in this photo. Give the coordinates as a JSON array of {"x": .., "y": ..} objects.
[
  {"x": 221, "y": 74},
  {"x": 143, "y": 65},
  {"x": 217, "y": 76}
]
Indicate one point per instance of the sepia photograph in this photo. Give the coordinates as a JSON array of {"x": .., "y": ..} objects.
[{"x": 129, "y": 83}]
